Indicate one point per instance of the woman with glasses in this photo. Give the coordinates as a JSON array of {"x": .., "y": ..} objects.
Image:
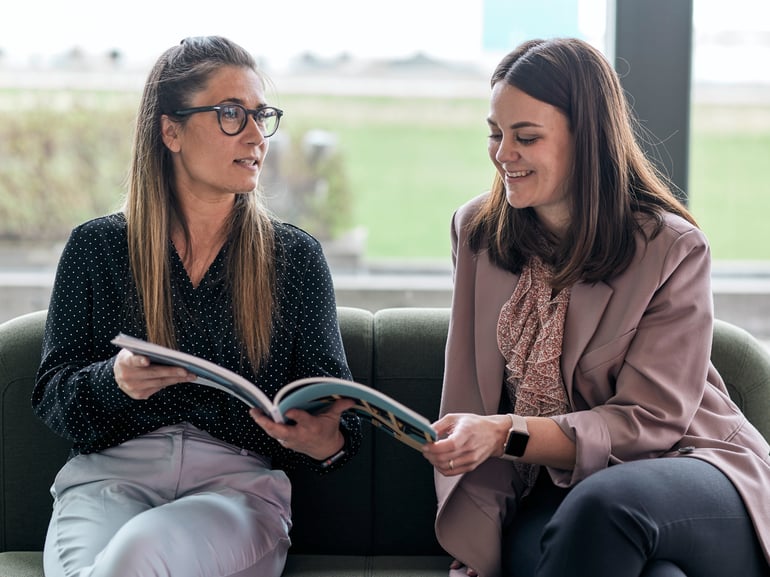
[
  {"x": 586, "y": 432},
  {"x": 175, "y": 479}
]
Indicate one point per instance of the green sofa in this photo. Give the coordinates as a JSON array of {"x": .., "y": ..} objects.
[{"x": 374, "y": 517}]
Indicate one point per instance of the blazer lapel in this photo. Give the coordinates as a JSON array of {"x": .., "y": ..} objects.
[
  {"x": 494, "y": 286},
  {"x": 584, "y": 313}
]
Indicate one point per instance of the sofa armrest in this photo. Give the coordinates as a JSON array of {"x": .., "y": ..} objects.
[
  {"x": 30, "y": 454},
  {"x": 744, "y": 364}
]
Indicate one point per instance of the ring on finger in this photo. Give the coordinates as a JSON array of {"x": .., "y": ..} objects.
[{"x": 451, "y": 464}]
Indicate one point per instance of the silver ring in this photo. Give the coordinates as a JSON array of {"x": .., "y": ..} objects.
[
  {"x": 451, "y": 464},
  {"x": 282, "y": 442}
]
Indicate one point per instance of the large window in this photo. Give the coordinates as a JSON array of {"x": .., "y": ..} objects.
[
  {"x": 397, "y": 90},
  {"x": 730, "y": 127}
]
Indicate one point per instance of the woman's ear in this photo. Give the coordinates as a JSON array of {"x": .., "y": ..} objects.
[{"x": 169, "y": 130}]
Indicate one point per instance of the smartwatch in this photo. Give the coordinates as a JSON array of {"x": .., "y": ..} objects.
[{"x": 518, "y": 437}]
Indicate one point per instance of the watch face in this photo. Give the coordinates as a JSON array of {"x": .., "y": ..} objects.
[{"x": 517, "y": 443}]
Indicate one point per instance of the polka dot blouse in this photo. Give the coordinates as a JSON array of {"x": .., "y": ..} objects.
[{"x": 94, "y": 298}]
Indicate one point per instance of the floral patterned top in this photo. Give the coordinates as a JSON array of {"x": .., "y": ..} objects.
[{"x": 530, "y": 330}]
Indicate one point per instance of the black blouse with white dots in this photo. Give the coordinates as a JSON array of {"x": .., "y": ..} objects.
[{"x": 94, "y": 298}]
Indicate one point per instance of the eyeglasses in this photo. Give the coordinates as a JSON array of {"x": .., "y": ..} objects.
[{"x": 233, "y": 117}]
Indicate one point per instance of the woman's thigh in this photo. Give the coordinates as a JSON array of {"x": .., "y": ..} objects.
[
  {"x": 179, "y": 503},
  {"x": 681, "y": 511}
]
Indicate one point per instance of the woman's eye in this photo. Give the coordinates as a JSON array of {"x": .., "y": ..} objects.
[
  {"x": 230, "y": 112},
  {"x": 526, "y": 141},
  {"x": 495, "y": 136}
]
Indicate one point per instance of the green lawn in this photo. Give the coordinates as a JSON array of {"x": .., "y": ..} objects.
[
  {"x": 730, "y": 194},
  {"x": 409, "y": 164}
]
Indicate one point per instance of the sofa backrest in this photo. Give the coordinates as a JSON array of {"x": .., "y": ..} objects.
[
  {"x": 409, "y": 366},
  {"x": 332, "y": 513}
]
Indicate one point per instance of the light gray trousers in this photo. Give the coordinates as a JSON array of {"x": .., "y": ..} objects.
[{"x": 173, "y": 503}]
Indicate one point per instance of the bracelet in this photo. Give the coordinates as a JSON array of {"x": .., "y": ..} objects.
[{"x": 329, "y": 461}]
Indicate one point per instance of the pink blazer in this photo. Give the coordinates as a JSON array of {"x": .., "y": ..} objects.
[{"x": 638, "y": 375}]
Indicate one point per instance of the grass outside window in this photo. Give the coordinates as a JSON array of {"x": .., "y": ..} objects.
[{"x": 409, "y": 164}]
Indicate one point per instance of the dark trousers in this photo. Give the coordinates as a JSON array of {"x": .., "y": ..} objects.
[{"x": 669, "y": 517}]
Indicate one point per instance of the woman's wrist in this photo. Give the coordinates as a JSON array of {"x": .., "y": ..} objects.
[{"x": 337, "y": 454}]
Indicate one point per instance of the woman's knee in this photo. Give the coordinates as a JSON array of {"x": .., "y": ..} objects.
[
  {"x": 617, "y": 504},
  {"x": 662, "y": 569}
]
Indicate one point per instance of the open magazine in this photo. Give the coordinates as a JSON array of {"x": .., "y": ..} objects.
[{"x": 311, "y": 394}]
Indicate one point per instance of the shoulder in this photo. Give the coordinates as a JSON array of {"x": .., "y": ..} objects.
[
  {"x": 469, "y": 209},
  {"x": 111, "y": 225},
  {"x": 464, "y": 217},
  {"x": 673, "y": 230},
  {"x": 294, "y": 239},
  {"x": 674, "y": 244},
  {"x": 109, "y": 230},
  {"x": 300, "y": 263},
  {"x": 98, "y": 245},
  {"x": 296, "y": 250}
]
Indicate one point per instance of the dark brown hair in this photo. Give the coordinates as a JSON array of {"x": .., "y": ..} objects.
[{"x": 612, "y": 179}]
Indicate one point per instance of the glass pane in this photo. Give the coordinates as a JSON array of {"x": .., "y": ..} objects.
[{"x": 730, "y": 127}]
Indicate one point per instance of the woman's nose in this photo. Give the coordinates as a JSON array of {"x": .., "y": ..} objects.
[
  {"x": 254, "y": 131},
  {"x": 507, "y": 152}
]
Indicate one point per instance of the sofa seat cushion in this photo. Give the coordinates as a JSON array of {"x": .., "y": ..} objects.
[
  {"x": 21, "y": 564},
  {"x": 30, "y": 564},
  {"x": 367, "y": 566}
]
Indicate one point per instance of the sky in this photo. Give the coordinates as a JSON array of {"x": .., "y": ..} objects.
[{"x": 277, "y": 31}]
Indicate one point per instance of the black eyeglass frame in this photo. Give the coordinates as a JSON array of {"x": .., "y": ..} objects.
[{"x": 247, "y": 112}]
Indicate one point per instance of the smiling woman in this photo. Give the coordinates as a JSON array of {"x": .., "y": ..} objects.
[
  {"x": 577, "y": 369},
  {"x": 530, "y": 145}
]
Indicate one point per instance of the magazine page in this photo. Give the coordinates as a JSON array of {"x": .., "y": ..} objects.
[
  {"x": 207, "y": 373},
  {"x": 380, "y": 410}
]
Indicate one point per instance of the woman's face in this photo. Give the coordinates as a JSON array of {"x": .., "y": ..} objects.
[
  {"x": 209, "y": 164},
  {"x": 532, "y": 149}
]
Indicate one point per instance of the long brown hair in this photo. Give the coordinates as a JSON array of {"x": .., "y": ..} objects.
[
  {"x": 612, "y": 179},
  {"x": 151, "y": 205}
]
